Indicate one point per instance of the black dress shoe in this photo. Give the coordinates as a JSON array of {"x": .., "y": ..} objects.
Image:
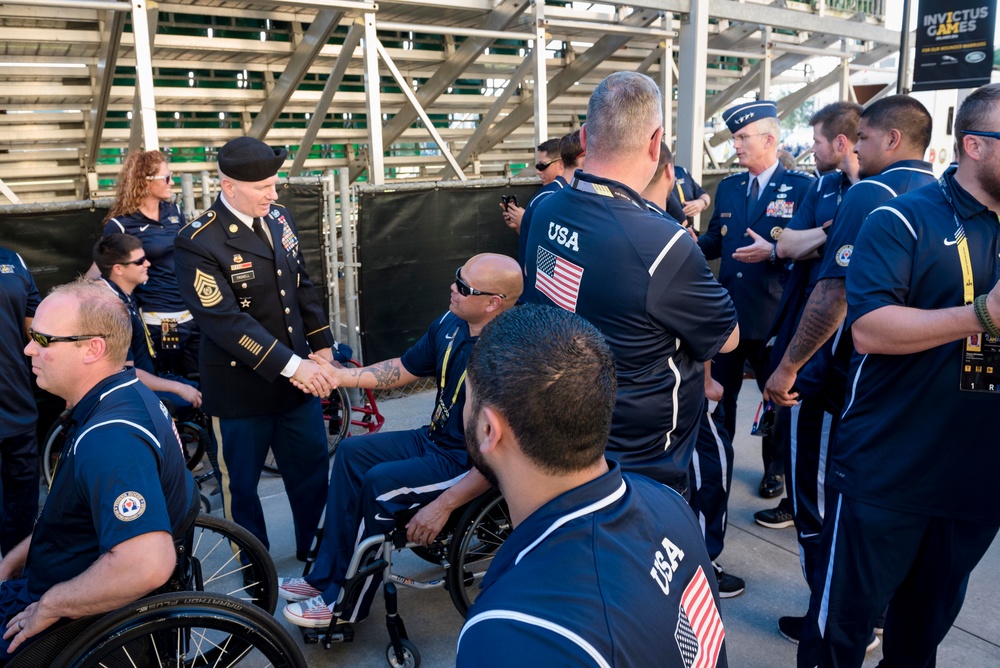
[{"x": 771, "y": 485}]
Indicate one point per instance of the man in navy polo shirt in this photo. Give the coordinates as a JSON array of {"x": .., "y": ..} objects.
[
  {"x": 596, "y": 248},
  {"x": 123, "y": 264},
  {"x": 121, "y": 489},
  {"x": 602, "y": 568},
  {"x": 751, "y": 210},
  {"x": 687, "y": 197},
  {"x": 18, "y": 413},
  {"x": 377, "y": 476},
  {"x": 804, "y": 429},
  {"x": 914, "y": 462},
  {"x": 893, "y": 134}
]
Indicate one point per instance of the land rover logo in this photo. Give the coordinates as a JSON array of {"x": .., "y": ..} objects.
[{"x": 975, "y": 57}]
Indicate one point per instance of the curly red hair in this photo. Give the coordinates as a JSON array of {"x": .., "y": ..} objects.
[{"x": 132, "y": 183}]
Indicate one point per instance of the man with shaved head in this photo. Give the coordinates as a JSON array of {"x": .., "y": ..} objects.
[{"x": 377, "y": 476}]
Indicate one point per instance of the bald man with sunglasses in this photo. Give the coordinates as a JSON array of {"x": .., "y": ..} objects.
[{"x": 377, "y": 476}]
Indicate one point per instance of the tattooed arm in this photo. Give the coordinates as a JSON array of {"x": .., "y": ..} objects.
[
  {"x": 823, "y": 314},
  {"x": 384, "y": 375}
]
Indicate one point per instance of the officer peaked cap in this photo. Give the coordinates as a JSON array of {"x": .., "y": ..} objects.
[
  {"x": 749, "y": 112},
  {"x": 249, "y": 159}
]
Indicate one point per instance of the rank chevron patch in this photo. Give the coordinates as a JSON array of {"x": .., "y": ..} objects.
[{"x": 207, "y": 289}]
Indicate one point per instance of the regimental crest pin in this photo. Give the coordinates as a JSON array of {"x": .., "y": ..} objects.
[
  {"x": 775, "y": 232},
  {"x": 237, "y": 259},
  {"x": 233, "y": 229}
]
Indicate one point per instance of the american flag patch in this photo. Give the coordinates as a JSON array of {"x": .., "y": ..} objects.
[
  {"x": 699, "y": 633},
  {"x": 558, "y": 279}
]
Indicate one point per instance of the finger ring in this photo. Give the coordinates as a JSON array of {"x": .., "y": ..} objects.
[{"x": 20, "y": 624}]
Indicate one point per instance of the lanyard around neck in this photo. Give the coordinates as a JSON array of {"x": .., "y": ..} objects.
[
  {"x": 444, "y": 368},
  {"x": 962, "y": 244}
]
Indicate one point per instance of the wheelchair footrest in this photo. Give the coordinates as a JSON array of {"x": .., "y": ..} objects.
[{"x": 327, "y": 637}]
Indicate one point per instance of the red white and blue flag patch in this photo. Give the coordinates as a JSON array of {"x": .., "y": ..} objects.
[
  {"x": 558, "y": 279},
  {"x": 699, "y": 633}
]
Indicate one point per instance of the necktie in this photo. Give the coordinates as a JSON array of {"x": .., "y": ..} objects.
[
  {"x": 754, "y": 195},
  {"x": 258, "y": 229}
]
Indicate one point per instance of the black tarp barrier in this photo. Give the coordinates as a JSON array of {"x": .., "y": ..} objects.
[
  {"x": 409, "y": 244},
  {"x": 305, "y": 201}
]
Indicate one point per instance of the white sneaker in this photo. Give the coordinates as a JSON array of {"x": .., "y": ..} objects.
[
  {"x": 311, "y": 614},
  {"x": 296, "y": 589}
]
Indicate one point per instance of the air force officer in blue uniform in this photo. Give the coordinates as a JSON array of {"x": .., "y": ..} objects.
[
  {"x": 751, "y": 210},
  {"x": 241, "y": 273}
]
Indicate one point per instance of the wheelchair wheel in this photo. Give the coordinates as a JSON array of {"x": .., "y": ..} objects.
[
  {"x": 233, "y": 562},
  {"x": 411, "y": 657},
  {"x": 52, "y": 450},
  {"x": 336, "y": 419},
  {"x": 194, "y": 441},
  {"x": 483, "y": 528},
  {"x": 185, "y": 630}
]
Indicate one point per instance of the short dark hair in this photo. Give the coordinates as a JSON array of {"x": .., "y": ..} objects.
[
  {"x": 838, "y": 118},
  {"x": 113, "y": 249},
  {"x": 903, "y": 113},
  {"x": 570, "y": 149},
  {"x": 551, "y": 375},
  {"x": 665, "y": 157},
  {"x": 975, "y": 112},
  {"x": 550, "y": 147}
]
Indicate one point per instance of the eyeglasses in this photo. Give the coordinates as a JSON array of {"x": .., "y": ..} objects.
[
  {"x": 466, "y": 290},
  {"x": 141, "y": 261},
  {"x": 45, "y": 340},
  {"x": 981, "y": 133},
  {"x": 743, "y": 138},
  {"x": 160, "y": 177},
  {"x": 542, "y": 166}
]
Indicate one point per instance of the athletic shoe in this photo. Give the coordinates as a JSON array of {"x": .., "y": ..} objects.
[
  {"x": 774, "y": 518},
  {"x": 730, "y": 586},
  {"x": 771, "y": 485},
  {"x": 296, "y": 589},
  {"x": 791, "y": 628},
  {"x": 310, "y": 614}
]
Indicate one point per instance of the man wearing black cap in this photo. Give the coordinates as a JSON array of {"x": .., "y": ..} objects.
[
  {"x": 751, "y": 210},
  {"x": 242, "y": 274}
]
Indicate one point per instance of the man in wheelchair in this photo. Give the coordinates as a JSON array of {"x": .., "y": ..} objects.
[
  {"x": 104, "y": 537},
  {"x": 124, "y": 266},
  {"x": 376, "y": 476}
]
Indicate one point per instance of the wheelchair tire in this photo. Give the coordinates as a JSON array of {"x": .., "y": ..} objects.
[
  {"x": 52, "y": 450},
  {"x": 483, "y": 528},
  {"x": 336, "y": 419},
  {"x": 411, "y": 657},
  {"x": 234, "y": 563},
  {"x": 184, "y": 629},
  {"x": 194, "y": 442}
]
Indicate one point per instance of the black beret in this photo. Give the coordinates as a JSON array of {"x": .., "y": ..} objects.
[{"x": 249, "y": 159}]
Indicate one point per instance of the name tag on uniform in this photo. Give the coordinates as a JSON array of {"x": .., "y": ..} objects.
[
  {"x": 725, "y": 215},
  {"x": 981, "y": 364},
  {"x": 242, "y": 276},
  {"x": 780, "y": 208}
]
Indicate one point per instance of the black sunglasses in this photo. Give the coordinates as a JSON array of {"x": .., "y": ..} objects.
[
  {"x": 542, "y": 166},
  {"x": 45, "y": 340},
  {"x": 466, "y": 290},
  {"x": 981, "y": 133},
  {"x": 137, "y": 263}
]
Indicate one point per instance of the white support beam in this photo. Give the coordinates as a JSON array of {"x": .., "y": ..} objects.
[
  {"x": 667, "y": 83},
  {"x": 8, "y": 193},
  {"x": 373, "y": 106},
  {"x": 107, "y": 57},
  {"x": 691, "y": 88},
  {"x": 135, "y": 130},
  {"x": 541, "y": 76},
  {"x": 765, "y": 63},
  {"x": 144, "y": 76},
  {"x": 404, "y": 85}
]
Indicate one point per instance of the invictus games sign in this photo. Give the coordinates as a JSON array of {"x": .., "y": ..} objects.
[{"x": 954, "y": 45}]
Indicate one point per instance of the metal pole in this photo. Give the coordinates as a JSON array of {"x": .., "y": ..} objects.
[
  {"x": 332, "y": 259},
  {"x": 187, "y": 193},
  {"x": 373, "y": 92},
  {"x": 206, "y": 191},
  {"x": 904, "y": 51},
  {"x": 350, "y": 264},
  {"x": 541, "y": 76},
  {"x": 144, "y": 75},
  {"x": 691, "y": 88},
  {"x": 765, "y": 63}
]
